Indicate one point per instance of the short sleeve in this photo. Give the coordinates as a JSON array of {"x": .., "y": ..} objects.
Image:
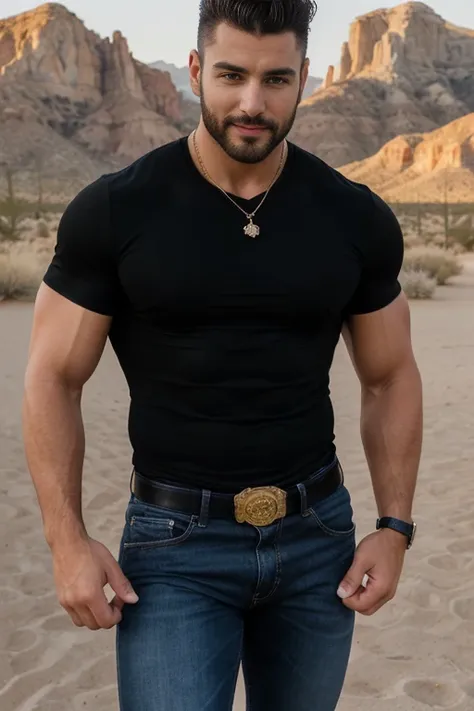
[
  {"x": 382, "y": 258},
  {"x": 83, "y": 268}
]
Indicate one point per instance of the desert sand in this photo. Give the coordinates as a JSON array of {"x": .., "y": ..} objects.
[{"x": 417, "y": 653}]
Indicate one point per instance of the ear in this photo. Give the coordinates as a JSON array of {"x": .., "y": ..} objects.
[{"x": 195, "y": 72}]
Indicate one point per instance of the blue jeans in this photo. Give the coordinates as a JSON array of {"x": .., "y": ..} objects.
[{"x": 215, "y": 593}]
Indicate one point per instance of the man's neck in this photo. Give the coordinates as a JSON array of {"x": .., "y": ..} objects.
[{"x": 242, "y": 179}]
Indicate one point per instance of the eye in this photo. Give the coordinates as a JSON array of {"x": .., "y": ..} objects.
[
  {"x": 277, "y": 81},
  {"x": 231, "y": 76}
]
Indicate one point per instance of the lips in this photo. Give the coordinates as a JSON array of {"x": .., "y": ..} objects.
[{"x": 250, "y": 129}]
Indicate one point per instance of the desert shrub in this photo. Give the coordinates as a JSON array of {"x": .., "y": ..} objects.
[
  {"x": 462, "y": 238},
  {"x": 20, "y": 275},
  {"x": 417, "y": 284},
  {"x": 437, "y": 263},
  {"x": 43, "y": 230},
  {"x": 456, "y": 249}
]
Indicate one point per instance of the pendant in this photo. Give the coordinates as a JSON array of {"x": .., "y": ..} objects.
[{"x": 252, "y": 230}]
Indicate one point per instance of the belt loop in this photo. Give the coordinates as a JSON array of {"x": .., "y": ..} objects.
[
  {"x": 304, "y": 499},
  {"x": 204, "y": 513}
]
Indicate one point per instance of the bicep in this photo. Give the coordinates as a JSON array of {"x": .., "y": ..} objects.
[
  {"x": 379, "y": 343},
  {"x": 67, "y": 340}
]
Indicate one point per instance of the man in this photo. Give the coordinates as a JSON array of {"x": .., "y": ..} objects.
[{"x": 224, "y": 267}]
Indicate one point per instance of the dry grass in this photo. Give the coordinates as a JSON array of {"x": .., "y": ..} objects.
[
  {"x": 20, "y": 275},
  {"x": 450, "y": 227},
  {"x": 23, "y": 263},
  {"x": 437, "y": 263},
  {"x": 43, "y": 230},
  {"x": 417, "y": 284}
]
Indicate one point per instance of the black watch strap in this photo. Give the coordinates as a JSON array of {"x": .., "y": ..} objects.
[{"x": 407, "y": 529}]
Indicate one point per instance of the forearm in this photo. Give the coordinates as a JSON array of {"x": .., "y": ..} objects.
[
  {"x": 391, "y": 429},
  {"x": 54, "y": 445}
]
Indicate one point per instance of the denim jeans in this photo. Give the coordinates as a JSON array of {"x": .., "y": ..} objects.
[{"x": 214, "y": 593}]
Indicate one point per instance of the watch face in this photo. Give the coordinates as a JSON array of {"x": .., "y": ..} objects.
[{"x": 412, "y": 535}]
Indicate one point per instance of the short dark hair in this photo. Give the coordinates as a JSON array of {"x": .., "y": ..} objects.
[{"x": 257, "y": 17}]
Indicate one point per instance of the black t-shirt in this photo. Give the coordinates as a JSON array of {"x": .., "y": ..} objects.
[{"x": 226, "y": 342}]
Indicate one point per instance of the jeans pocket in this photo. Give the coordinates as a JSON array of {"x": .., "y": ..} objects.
[
  {"x": 334, "y": 514},
  {"x": 148, "y": 526}
]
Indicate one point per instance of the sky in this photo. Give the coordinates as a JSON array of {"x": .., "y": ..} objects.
[{"x": 166, "y": 29}]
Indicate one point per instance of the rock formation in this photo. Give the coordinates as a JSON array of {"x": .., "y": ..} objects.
[
  {"x": 346, "y": 63},
  {"x": 419, "y": 167},
  {"x": 403, "y": 70},
  {"x": 56, "y": 73},
  {"x": 312, "y": 83},
  {"x": 73, "y": 105},
  {"x": 408, "y": 37},
  {"x": 179, "y": 77},
  {"x": 329, "y": 81}
]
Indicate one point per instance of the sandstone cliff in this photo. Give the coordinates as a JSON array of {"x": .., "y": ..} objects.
[
  {"x": 57, "y": 75},
  {"x": 402, "y": 70},
  {"x": 179, "y": 77},
  {"x": 422, "y": 167}
]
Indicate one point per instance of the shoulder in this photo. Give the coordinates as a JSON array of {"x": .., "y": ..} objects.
[
  {"x": 365, "y": 211},
  {"x": 151, "y": 175},
  {"x": 151, "y": 170},
  {"x": 334, "y": 187}
]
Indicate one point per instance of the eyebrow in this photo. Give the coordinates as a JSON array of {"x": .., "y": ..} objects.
[{"x": 279, "y": 71}]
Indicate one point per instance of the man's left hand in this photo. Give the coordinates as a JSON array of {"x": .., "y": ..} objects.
[{"x": 380, "y": 556}]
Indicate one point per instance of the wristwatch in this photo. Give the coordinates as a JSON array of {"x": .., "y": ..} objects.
[{"x": 408, "y": 529}]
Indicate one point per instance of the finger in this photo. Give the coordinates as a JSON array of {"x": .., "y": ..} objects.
[
  {"x": 116, "y": 607},
  {"x": 117, "y": 603},
  {"x": 372, "y": 610},
  {"x": 354, "y": 577},
  {"x": 74, "y": 617},
  {"x": 87, "y": 617},
  {"x": 105, "y": 614},
  {"x": 121, "y": 586},
  {"x": 367, "y": 598},
  {"x": 355, "y": 596},
  {"x": 376, "y": 608},
  {"x": 354, "y": 601}
]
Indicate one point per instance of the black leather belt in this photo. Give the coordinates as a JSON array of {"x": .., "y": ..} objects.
[{"x": 258, "y": 505}]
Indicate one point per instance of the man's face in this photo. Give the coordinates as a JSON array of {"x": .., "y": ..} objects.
[{"x": 249, "y": 88}]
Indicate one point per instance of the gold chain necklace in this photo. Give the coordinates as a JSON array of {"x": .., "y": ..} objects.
[{"x": 251, "y": 229}]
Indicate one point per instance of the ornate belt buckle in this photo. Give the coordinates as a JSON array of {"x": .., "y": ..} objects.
[{"x": 260, "y": 506}]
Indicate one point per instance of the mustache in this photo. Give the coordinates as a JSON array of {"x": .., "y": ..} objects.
[{"x": 248, "y": 121}]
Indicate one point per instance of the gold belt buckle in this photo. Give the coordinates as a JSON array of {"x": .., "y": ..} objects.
[{"x": 260, "y": 506}]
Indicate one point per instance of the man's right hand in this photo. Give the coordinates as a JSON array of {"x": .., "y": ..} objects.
[{"x": 81, "y": 570}]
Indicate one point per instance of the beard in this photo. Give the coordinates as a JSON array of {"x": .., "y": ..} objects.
[{"x": 249, "y": 149}]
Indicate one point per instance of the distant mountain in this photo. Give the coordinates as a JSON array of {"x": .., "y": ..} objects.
[
  {"x": 179, "y": 77},
  {"x": 312, "y": 84}
]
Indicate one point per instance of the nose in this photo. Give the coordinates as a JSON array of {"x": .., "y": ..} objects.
[{"x": 252, "y": 100}]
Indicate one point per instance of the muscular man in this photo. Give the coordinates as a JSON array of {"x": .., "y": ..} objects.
[{"x": 223, "y": 267}]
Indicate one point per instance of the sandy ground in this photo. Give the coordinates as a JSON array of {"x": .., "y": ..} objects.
[{"x": 415, "y": 654}]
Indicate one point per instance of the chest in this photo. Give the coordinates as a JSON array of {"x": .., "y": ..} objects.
[{"x": 195, "y": 262}]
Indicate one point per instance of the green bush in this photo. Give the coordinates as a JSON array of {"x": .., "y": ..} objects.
[
  {"x": 437, "y": 263},
  {"x": 417, "y": 284}
]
